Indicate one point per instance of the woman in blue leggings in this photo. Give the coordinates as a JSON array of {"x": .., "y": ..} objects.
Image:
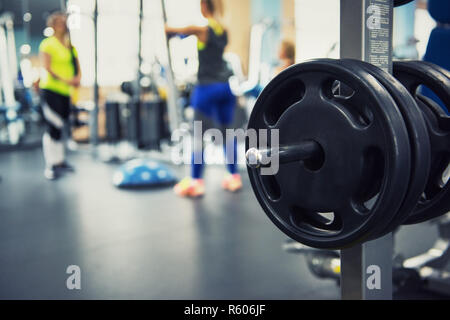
[{"x": 212, "y": 99}]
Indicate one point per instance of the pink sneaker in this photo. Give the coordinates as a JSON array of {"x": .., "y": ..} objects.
[
  {"x": 232, "y": 183},
  {"x": 190, "y": 188}
]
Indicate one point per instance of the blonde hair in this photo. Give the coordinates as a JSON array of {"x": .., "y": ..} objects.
[{"x": 52, "y": 17}]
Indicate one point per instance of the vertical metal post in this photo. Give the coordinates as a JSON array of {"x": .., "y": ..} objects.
[
  {"x": 366, "y": 34},
  {"x": 1, "y": 89},
  {"x": 172, "y": 97},
  {"x": 26, "y": 24},
  {"x": 141, "y": 20},
  {"x": 12, "y": 53},
  {"x": 1, "y": 92},
  {"x": 1, "y": 67},
  {"x": 94, "y": 113},
  {"x": 7, "y": 83},
  {"x": 137, "y": 98}
]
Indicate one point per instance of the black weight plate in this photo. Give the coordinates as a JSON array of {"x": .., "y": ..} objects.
[
  {"x": 412, "y": 74},
  {"x": 437, "y": 68},
  {"x": 440, "y": 69},
  {"x": 440, "y": 139},
  {"x": 443, "y": 120},
  {"x": 439, "y": 127},
  {"x": 324, "y": 205},
  {"x": 418, "y": 137},
  {"x": 434, "y": 107},
  {"x": 398, "y": 3}
]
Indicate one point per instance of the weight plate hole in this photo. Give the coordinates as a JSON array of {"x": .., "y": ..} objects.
[
  {"x": 315, "y": 222},
  {"x": 438, "y": 179},
  {"x": 349, "y": 101},
  {"x": 332, "y": 89},
  {"x": 328, "y": 216},
  {"x": 364, "y": 116},
  {"x": 365, "y": 207},
  {"x": 271, "y": 187},
  {"x": 341, "y": 90},
  {"x": 426, "y": 91},
  {"x": 369, "y": 204},
  {"x": 284, "y": 96},
  {"x": 445, "y": 176}
]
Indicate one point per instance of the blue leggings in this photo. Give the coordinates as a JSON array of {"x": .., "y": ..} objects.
[{"x": 214, "y": 104}]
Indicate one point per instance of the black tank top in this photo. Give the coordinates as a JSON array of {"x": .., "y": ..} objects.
[{"x": 212, "y": 67}]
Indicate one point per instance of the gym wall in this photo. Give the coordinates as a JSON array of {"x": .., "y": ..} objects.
[
  {"x": 241, "y": 14},
  {"x": 238, "y": 23},
  {"x": 288, "y": 20},
  {"x": 311, "y": 18}
]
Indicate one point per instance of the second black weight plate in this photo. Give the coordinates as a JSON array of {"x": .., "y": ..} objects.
[
  {"x": 436, "y": 198},
  {"x": 418, "y": 138},
  {"x": 437, "y": 68}
]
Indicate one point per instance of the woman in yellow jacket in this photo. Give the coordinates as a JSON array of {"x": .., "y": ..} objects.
[{"x": 61, "y": 73}]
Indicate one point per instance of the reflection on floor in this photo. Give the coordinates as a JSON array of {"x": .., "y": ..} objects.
[{"x": 145, "y": 244}]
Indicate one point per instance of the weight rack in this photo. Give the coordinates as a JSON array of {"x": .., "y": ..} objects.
[{"x": 366, "y": 33}]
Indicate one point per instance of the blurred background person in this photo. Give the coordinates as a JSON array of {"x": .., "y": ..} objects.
[
  {"x": 286, "y": 55},
  {"x": 212, "y": 99},
  {"x": 61, "y": 73}
]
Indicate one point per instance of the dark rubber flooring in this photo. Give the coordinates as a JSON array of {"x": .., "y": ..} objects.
[{"x": 146, "y": 244}]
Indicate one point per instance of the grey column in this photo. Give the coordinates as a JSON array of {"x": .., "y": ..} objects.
[{"x": 366, "y": 34}]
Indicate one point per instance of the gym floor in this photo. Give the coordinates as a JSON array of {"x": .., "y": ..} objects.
[{"x": 147, "y": 244}]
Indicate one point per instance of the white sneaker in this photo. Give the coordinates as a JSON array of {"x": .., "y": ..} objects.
[
  {"x": 50, "y": 174},
  {"x": 72, "y": 145}
]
